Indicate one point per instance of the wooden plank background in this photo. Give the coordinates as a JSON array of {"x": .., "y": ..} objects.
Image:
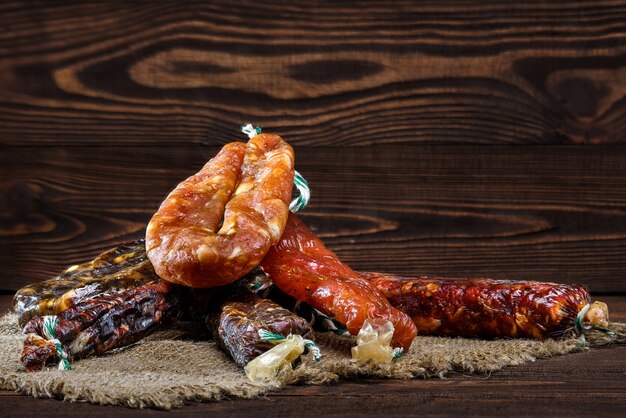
[{"x": 408, "y": 119}]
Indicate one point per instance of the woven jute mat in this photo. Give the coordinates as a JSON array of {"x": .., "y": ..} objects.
[{"x": 169, "y": 369}]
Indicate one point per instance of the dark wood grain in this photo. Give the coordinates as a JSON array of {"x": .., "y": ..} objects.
[
  {"x": 584, "y": 384},
  {"x": 549, "y": 213},
  {"x": 162, "y": 74},
  {"x": 105, "y": 106}
]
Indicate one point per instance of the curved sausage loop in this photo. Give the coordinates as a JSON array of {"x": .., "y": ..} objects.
[
  {"x": 301, "y": 266},
  {"x": 218, "y": 224}
]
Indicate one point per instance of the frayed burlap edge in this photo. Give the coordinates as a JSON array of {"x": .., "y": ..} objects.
[{"x": 166, "y": 371}]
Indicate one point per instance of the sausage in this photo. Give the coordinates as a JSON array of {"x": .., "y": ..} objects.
[
  {"x": 121, "y": 268},
  {"x": 484, "y": 308},
  {"x": 301, "y": 266},
  {"x": 38, "y": 352},
  {"x": 95, "y": 326},
  {"x": 236, "y": 324},
  {"x": 246, "y": 185}
]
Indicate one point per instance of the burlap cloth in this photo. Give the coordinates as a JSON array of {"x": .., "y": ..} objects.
[{"x": 168, "y": 369}]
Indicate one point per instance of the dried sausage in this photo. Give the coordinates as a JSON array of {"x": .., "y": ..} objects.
[
  {"x": 217, "y": 225},
  {"x": 95, "y": 326},
  {"x": 236, "y": 324}
]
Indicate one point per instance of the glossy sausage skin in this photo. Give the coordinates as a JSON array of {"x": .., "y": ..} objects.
[
  {"x": 37, "y": 352},
  {"x": 217, "y": 225},
  {"x": 301, "y": 266},
  {"x": 121, "y": 268},
  {"x": 483, "y": 308}
]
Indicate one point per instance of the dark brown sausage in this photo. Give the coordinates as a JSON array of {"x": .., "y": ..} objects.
[
  {"x": 95, "y": 326},
  {"x": 235, "y": 325}
]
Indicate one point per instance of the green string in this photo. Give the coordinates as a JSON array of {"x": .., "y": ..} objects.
[
  {"x": 397, "y": 353},
  {"x": 302, "y": 200},
  {"x": 266, "y": 335},
  {"x": 329, "y": 323},
  {"x": 314, "y": 349},
  {"x": 301, "y": 184},
  {"x": 250, "y": 130},
  {"x": 50, "y": 323},
  {"x": 580, "y": 327}
]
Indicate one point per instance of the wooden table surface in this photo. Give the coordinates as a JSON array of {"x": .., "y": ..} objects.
[{"x": 583, "y": 384}]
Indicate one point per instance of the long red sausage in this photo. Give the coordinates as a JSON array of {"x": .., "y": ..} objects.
[
  {"x": 487, "y": 308},
  {"x": 301, "y": 266}
]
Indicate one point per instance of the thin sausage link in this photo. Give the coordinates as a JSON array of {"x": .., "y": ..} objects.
[{"x": 246, "y": 185}]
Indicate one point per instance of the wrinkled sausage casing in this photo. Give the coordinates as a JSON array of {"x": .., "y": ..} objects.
[
  {"x": 97, "y": 325},
  {"x": 237, "y": 322},
  {"x": 301, "y": 266},
  {"x": 217, "y": 225},
  {"x": 484, "y": 308}
]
